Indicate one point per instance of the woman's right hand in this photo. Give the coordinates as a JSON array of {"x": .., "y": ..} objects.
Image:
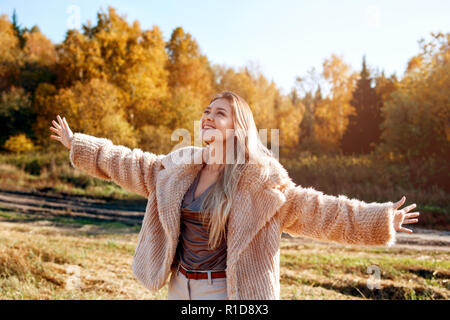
[{"x": 65, "y": 135}]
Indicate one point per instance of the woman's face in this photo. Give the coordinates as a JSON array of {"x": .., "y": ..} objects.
[{"x": 218, "y": 115}]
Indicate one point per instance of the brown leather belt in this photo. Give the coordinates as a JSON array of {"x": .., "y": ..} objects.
[{"x": 201, "y": 275}]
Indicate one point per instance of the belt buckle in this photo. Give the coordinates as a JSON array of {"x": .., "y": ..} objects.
[{"x": 192, "y": 274}]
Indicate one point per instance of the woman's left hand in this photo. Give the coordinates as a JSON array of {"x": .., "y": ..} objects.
[{"x": 403, "y": 217}]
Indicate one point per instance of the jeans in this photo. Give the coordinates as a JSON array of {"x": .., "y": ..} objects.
[{"x": 182, "y": 288}]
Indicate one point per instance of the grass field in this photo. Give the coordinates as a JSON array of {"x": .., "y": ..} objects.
[
  {"x": 44, "y": 258},
  {"x": 70, "y": 259}
]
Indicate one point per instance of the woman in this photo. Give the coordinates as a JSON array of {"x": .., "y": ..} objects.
[{"x": 216, "y": 225}]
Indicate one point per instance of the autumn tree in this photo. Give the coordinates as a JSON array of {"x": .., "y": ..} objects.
[
  {"x": 38, "y": 48},
  {"x": 10, "y": 54},
  {"x": 271, "y": 110},
  {"x": 190, "y": 80},
  {"x": 385, "y": 86},
  {"x": 289, "y": 117},
  {"x": 27, "y": 57},
  {"x": 332, "y": 113},
  {"x": 417, "y": 116},
  {"x": 39, "y": 55},
  {"x": 93, "y": 107},
  {"x": 123, "y": 55},
  {"x": 309, "y": 90}
]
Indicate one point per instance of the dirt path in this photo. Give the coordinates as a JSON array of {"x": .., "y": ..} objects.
[
  {"x": 131, "y": 212},
  {"x": 63, "y": 205}
]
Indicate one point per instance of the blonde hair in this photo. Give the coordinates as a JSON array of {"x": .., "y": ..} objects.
[{"x": 217, "y": 202}]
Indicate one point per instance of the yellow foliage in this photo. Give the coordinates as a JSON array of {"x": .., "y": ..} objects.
[
  {"x": 95, "y": 108},
  {"x": 122, "y": 55},
  {"x": 118, "y": 81},
  {"x": 10, "y": 53},
  {"x": 270, "y": 109},
  {"x": 190, "y": 82},
  {"x": 116, "y": 128},
  {"x": 156, "y": 139},
  {"x": 9, "y": 43},
  {"x": 38, "y": 48},
  {"x": 332, "y": 113},
  {"x": 19, "y": 143},
  {"x": 417, "y": 115}
]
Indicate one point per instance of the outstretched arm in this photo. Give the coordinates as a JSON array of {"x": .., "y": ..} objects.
[
  {"x": 134, "y": 170},
  {"x": 310, "y": 213}
]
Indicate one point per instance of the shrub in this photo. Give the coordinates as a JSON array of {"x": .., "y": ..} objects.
[{"x": 19, "y": 143}]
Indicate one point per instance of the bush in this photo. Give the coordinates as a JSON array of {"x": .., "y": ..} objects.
[
  {"x": 80, "y": 181},
  {"x": 19, "y": 143},
  {"x": 372, "y": 179},
  {"x": 35, "y": 161},
  {"x": 33, "y": 166},
  {"x": 16, "y": 114}
]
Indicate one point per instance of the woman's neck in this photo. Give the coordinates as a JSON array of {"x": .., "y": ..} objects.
[
  {"x": 213, "y": 168},
  {"x": 215, "y": 160}
]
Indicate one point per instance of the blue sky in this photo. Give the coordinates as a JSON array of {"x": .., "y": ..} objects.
[{"x": 285, "y": 38}]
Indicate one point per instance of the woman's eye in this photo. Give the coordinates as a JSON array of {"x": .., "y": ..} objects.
[{"x": 221, "y": 113}]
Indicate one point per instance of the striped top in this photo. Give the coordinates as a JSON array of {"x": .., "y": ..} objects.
[{"x": 192, "y": 251}]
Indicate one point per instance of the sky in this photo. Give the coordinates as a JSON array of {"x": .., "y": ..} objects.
[{"x": 283, "y": 38}]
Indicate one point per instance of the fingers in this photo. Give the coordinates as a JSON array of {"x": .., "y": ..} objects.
[
  {"x": 56, "y": 124},
  {"x": 56, "y": 138},
  {"x": 407, "y": 221},
  {"x": 65, "y": 124},
  {"x": 406, "y": 230},
  {"x": 60, "y": 121},
  {"x": 412, "y": 215},
  {"x": 399, "y": 203},
  {"x": 54, "y": 130},
  {"x": 410, "y": 207}
]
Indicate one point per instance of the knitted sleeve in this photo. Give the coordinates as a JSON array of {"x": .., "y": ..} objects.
[
  {"x": 133, "y": 170},
  {"x": 310, "y": 213}
]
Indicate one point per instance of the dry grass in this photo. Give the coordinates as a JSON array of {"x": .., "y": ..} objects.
[
  {"x": 38, "y": 260},
  {"x": 327, "y": 271},
  {"x": 59, "y": 179}
]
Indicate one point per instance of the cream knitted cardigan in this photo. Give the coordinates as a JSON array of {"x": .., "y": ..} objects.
[{"x": 260, "y": 212}]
